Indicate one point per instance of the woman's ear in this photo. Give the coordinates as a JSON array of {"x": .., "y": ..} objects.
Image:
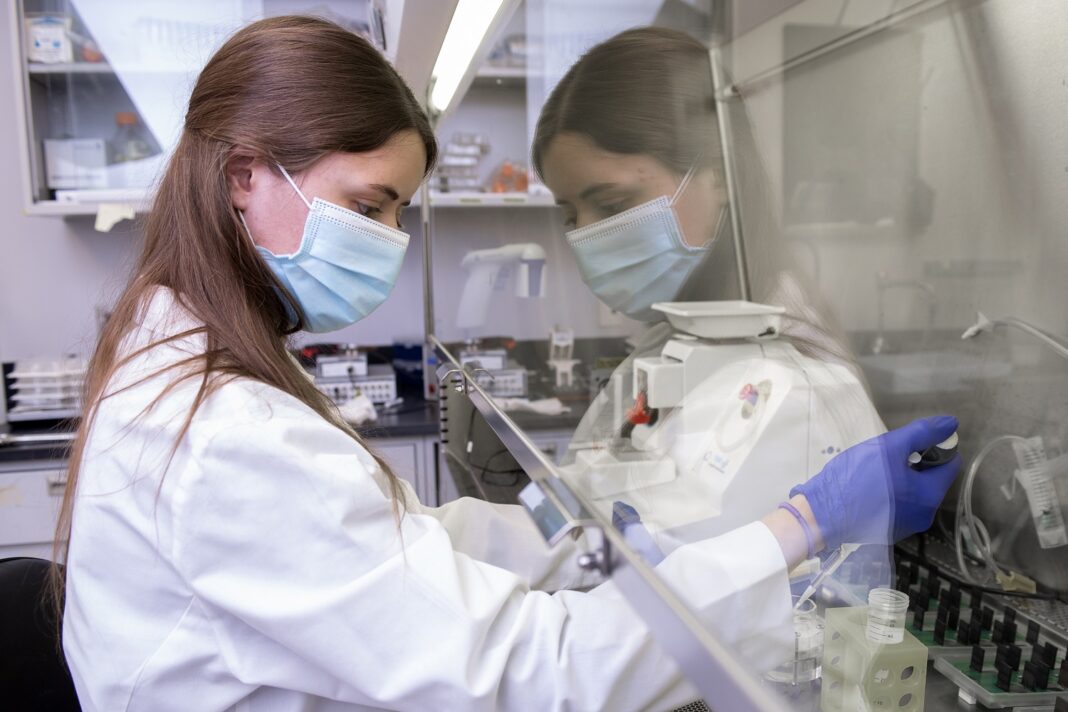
[{"x": 239, "y": 179}]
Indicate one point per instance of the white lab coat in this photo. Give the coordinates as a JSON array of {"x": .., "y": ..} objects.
[{"x": 265, "y": 572}]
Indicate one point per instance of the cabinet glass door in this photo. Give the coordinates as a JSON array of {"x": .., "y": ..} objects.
[{"x": 105, "y": 86}]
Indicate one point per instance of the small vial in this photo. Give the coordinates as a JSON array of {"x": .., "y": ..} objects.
[
  {"x": 886, "y": 616},
  {"x": 797, "y": 680}
]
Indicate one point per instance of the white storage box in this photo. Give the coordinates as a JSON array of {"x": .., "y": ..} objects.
[{"x": 75, "y": 163}]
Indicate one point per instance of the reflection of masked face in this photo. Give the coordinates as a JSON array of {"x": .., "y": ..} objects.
[{"x": 637, "y": 258}]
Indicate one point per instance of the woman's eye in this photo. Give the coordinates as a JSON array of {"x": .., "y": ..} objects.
[
  {"x": 613, "y": 209},
  {"x": 570, "y": 221},
  {"x": 366, "y": 210}
]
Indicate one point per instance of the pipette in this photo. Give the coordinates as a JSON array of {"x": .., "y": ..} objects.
[{"x": 830, "y": 565}]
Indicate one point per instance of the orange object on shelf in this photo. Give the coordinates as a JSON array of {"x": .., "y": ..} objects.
[{"x": 510, "y": 177}]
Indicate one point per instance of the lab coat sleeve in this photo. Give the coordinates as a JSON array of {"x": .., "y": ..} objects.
[
  {"x": 505, "y": 536},
  {"x": 293, "y": 553}
]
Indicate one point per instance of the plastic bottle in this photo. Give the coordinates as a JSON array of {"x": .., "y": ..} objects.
[
  {"x": 130, "y": 143},
  {"x": 886, "y": 616}
]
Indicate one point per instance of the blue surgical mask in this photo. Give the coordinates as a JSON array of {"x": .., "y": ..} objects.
[
  {"x": 638, "y": 257},
  {"x": 345, "y": 267}
]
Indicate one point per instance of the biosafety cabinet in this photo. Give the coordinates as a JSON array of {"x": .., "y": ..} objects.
[{"x": 858, "y": 222}]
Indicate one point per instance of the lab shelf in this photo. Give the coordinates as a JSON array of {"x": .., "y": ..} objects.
[
  {"x": 488, "y": 72},
  {"x": 438, "y": 200},
  {"x": 490, "y": 200},
  {"x": 103, "y": 68},
  {"x": 504, "y": 77},
  {"x": 70, "y": 68},
  {"x": 29, "y": 414},
  {"x": 140, "y": 200}
]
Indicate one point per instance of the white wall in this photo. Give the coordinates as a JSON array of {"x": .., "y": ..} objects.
[{"x": 53, "y": 272}]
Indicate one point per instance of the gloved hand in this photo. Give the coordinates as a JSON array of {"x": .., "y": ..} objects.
[
  {"x": 626, "y": 519},
  {"x": 869, "y": 494}
]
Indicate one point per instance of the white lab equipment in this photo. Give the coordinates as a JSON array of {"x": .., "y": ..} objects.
[
  {"x": 561, "y": 348},
  {"x": 343, "y": 365},
  {"x": 379, "y": 384},
  {"x": 44, "y": 388},
  {"x": 489, "y": 359},
  {"x": 508, "y": 382},
  {"x": 732, "y": 418},
  {"x": 488, "y": 272},
  {"x": 502, "y": 376},
  {"x": 1042, "y": 499}
]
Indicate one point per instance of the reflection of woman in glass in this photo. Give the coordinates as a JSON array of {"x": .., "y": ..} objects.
[{"x": 628, "y": 142}]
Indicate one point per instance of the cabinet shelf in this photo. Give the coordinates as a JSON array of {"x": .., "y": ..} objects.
[
  {"x": 70, "y": 68},
  {"x": 490, "y": 200},
  {"x": 88, "y": 202},
  {"x": 501, "y": 76},
  {"x": 489, "y": 72},
  {"x": 141, "y": 199}
]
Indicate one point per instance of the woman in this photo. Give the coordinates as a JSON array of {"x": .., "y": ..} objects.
[
  {"x": 233, "y": 545},
  {"x": 629, "y": 144}
]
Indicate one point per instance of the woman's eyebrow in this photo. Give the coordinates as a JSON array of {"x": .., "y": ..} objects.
[
  {"x": 595, "y": 189},
  {"x": 388, "y": 190}
]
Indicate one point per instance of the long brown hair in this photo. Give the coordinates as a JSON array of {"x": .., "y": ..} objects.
[
  {"x": 647, "y": 90},
  {"x": 286, "y": 90}
]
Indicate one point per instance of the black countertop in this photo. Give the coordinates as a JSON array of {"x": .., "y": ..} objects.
[
  {"x": 33, "y": 452},
  {"x": 408, "y": 420},
  {"x": 413, "y": 418}
]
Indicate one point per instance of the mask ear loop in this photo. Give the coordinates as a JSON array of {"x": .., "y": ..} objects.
[
  {"x": 678, "y": 191},
  {"x": 290, "y": 179},
  {"x": 241, "y": 215},
  {"x": 685, "y": 181}
]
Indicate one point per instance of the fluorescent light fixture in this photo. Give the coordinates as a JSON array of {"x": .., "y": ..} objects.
[{"x": 470, "y": 22}]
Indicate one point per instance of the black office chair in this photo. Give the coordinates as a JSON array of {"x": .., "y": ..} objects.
[{"x": 33, "y": 675}]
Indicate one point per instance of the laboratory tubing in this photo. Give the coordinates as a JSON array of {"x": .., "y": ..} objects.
[{"x": 886, "y": 616}]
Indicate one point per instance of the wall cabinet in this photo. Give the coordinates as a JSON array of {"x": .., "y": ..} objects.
[
  {"x": 102, "y": 87},
  {"x": 30, "y": 496}
]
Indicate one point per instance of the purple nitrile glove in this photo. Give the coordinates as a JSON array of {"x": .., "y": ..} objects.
[
  {"x": 869, "y": 494},
  {"x": 629, "y": 523}
]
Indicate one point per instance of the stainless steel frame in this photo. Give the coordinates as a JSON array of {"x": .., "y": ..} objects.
[
  {"x": 891, "y": 19},
  {"x": 723, "y": 120}
]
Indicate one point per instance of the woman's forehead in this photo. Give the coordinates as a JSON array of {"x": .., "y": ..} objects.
[
  {"x": 573, "y": 163},
  {"x": 399, "y": 162}
]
